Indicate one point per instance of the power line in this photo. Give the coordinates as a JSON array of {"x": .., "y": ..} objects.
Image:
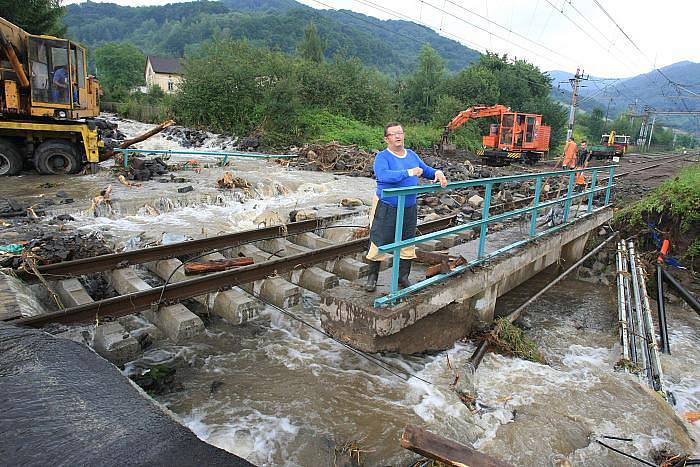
[
  {"x": 507, "y": 29},
  {"x": 458, "y": 38}
]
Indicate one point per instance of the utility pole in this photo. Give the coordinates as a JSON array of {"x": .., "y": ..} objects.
[
  {"x": 575, "y": 83},
  {"x": 675, "y": 133},
  {"x": 651, "y": 133},
  {"x": 605, "y": 123}
]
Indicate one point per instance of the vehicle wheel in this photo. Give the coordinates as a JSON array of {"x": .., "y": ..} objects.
[
  {"x": 55, "y": 157},
  {"x": 11, "y": 161}
]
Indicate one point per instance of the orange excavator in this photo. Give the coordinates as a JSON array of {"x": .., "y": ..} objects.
[{"x": 516, "y": 137}]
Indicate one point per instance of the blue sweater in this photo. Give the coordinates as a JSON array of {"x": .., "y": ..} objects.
[{"x": 392, "y": 172}]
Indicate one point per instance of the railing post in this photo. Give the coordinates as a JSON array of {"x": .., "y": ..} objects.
[
  {"x": 126, "y": 158},
  {"x": 567, "y": 202},
  {"x": 611, "y": 176},
  {"x": 398, "y": 233},
  {"x": 594, "y": 178},
  {"x": 536, "y": 202},
  {"x": 484, "y": 218}
]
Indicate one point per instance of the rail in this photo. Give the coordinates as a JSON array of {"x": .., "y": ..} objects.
[
  {"x": 195, "y": 154},
  {"x": 173, "y": 292},
  {"x": 486, "y": 219}
]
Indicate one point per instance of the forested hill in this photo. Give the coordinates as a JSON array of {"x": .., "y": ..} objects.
[{"x": 391, "y": 46}]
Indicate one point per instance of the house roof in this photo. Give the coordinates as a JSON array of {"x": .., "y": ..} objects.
[{"x": 171, "y": 66}]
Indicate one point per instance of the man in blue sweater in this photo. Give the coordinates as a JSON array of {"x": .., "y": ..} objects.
[{"x": 395, "y": 167}]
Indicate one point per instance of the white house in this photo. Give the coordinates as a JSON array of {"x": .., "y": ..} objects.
[{"x": 164, "y": 72}]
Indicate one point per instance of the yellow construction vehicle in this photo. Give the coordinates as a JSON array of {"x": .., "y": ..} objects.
[{"x": 46, "y": 102}]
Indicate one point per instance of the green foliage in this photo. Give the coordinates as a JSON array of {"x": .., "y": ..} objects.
[
  {"x": 234, "y": 87},
  {"x": 120, "y": 67},
  {"x": 35, "y": 16},
  {"x": 511, "y": 339},
  {"x": 172, "y": 29},
  {"x": 679, "y": 197},
  {"x": 424, "y": 86},
  {"x": 595, "y": 125},
  {"x": 312, "y": 48},
  {"x": 321, "y": 126},
  {"x": 474, "y": 86}
]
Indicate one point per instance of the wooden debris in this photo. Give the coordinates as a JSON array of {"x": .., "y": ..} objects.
[
  {"x": 445, "y": 450},
  {"x": 203, "y": 267},
  {"x": 103, "y": 199},
  {"x": 439, "y": 263},
  {"x": 151, "y": 210},
  {"x": 229, "y": 181},
  {"x": 334, "y": 157},
  {"x": 144, "y": 136},
  {"x": 126, "y": 182}
]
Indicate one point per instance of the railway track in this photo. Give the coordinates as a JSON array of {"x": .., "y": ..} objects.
[
  {"x": 178, "y": 291},
  {"x": 171, "y": 293}
]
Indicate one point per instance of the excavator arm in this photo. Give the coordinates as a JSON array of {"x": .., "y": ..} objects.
[
  {"x": 477, "y": 111},
  {"x": 8, "y": 32}
]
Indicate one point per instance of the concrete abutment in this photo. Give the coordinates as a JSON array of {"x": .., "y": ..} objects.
[{"x": 435, "y": 317}]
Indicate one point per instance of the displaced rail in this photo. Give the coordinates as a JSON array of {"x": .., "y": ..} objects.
[
  {"x": 174, "y": 292},
  {"x": 129, "y": 258}
]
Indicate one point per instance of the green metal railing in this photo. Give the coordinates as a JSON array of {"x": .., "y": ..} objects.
[
  {"x": 194, "y": 154},
  {"x": 486, "y": 219}
]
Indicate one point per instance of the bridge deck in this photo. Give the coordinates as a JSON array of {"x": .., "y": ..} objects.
[{"x": 435, "y": 317}]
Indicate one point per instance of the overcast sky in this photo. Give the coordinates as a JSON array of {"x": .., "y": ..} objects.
[{"x": 553, "y": 34}]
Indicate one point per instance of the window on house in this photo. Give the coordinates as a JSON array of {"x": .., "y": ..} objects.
[{"x": 171, "y": 86}]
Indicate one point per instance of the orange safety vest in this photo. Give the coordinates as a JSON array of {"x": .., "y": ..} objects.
[{"x": 569, "y": 155}]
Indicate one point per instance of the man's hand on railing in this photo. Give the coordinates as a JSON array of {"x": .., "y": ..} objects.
[{"x": 440, "y": 177}]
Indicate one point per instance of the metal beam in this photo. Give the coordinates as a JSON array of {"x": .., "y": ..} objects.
[
  {"x": 172, "y": 293},
  {"x": 118, "y": 260}
]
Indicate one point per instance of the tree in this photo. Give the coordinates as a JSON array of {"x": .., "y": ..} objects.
[
  {"x": 35, "y": 16},
  {"x": 595, "y": 124},
  {"x": 425, "y": 85},
  {"x": 120, "y": 67},
  {"x": 312, "y": 47}
]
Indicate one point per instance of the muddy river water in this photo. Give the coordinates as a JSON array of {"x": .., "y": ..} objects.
[{"x": 279, "y": 393}]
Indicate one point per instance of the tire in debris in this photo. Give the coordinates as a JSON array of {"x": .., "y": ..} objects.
[
  {"x": 10, "y": 159},
  {"x": 54, "y": 157}
]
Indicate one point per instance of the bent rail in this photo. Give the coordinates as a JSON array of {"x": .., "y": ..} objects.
[{"x": 486, "y": 219}]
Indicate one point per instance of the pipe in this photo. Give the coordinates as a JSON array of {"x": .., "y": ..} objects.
[
  {"x": 631, "y": 325},
  {"x": 661, "y": 308},
  {"x": 655, "y": 363},
  {"x": 646, "y": 358},
  {"x": 687, "y": 296},
  {"x": 478, "y": 354},
  {"x": 622, "y": 305}
]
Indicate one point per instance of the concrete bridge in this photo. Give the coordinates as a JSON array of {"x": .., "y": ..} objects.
[{"x": 436, "y": 312}]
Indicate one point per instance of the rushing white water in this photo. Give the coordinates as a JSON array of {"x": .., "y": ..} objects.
[{"x": 279, "y": 393}]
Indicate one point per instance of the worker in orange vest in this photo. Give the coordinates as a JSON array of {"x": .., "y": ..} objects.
[
  {"x": 569, "y": 155},
  {"x": 582, "y": 159}
]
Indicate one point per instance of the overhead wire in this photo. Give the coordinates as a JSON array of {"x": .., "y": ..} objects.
[
  {"x": 675, "y": 84},
  {"x": 458, "y": 38}
]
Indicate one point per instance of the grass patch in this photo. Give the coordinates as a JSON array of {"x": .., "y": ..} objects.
[{"x": 321, "y": 126}]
